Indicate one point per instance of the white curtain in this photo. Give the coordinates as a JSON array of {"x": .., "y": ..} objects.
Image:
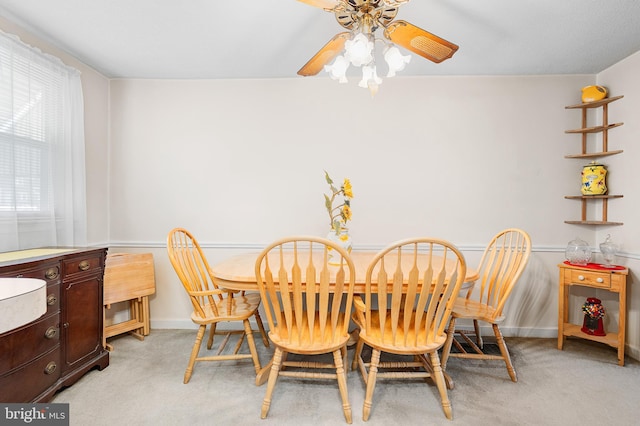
[{"x": 42, "y": 161}]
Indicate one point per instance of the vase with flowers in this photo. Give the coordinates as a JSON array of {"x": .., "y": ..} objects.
[{"x": 339, "y": 214}]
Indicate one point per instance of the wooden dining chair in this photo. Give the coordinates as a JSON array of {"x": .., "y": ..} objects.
[
  {"x": 308, "y": 304},
  {"x": 212, "y": 304},
  {"x": 409, "y": 293},
  {"x": 501, "y": 266}
]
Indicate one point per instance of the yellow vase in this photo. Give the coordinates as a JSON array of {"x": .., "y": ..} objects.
[{"x": 594, "y": 179}]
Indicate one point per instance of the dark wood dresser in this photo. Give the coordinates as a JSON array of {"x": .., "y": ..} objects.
[{"x": 41, "y": 357}]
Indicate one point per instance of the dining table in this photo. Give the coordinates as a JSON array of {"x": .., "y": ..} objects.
[{"x": 238, "y": 273}]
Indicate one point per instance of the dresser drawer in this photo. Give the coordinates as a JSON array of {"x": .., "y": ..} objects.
[
  {"x": 592, "y": 279},
  {"x": 81, "y": 265},
  {"x": 26, "y": 343},
  {"x": 53, "y": 300},
  {"x": 30, "y": 380},
  {"x": 50, "y": 272}
]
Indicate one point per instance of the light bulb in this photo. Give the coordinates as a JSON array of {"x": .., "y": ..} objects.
[{"x": 370, "y": 79}]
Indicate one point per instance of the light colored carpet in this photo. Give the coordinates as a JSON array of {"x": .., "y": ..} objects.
[{"x": 581, "y": 385}]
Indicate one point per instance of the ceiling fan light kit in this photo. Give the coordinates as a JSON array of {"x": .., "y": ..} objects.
[{"x": 356, "y": 47}]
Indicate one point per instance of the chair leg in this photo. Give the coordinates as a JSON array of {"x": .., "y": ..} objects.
[
  {"x": 252, "y": 345},
  {"x": 194, "y": 353},
  {"x": 345, "y": 362},
  {"x": 271, "y": 384},
  {"x": 476, "y": 327},
  {"x": 357, "y": 354},
  {"x": 212, "y": 332},
  {"x": 505, "y": 353},
  {"x": 263, "y": 333},
  {"x": 371, "y": 384},
  {"x": 438, "y": 377},
  {"x": 338, "y": 358},
  {"x": 446, "y": 348}
]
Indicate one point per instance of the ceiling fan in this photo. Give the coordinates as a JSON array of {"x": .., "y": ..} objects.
[{"x": 366, "y": 16}]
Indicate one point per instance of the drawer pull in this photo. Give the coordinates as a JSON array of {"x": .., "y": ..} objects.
[
  {"x": 600, "y": 280},
  {"x": 84, "y": 265},
  {"x": 52, "y": 273},
  {"x": 51, "y": 332},
  {"x": 581, "y": 277},
  {"x": 50, "y": 368},
  {"x": 51, "y": 299}
]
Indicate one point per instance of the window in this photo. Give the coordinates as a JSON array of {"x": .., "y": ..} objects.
[{"x": 41, "y": 150}]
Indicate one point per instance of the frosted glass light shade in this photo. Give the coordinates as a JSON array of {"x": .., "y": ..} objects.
[
  {"x": 338, "y": 69},
  {"x": 370, "y": 79},
  {"x": 359, "y": 50},
  {"x": 396, "y": 60}
]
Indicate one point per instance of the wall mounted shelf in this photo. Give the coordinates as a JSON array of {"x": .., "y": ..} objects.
[{"x": 584, "y": 131}]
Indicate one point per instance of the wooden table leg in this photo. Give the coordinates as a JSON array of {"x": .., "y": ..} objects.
[
  {"x": 622, "y": 322},
  {"x": 562, "y": 308}
]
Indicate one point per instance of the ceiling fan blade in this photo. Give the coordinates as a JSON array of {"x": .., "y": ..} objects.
[
  {"x": 419, "y": 41},
  {"x": 325, "y": 55},
  {"x": 322, "y": 4}
]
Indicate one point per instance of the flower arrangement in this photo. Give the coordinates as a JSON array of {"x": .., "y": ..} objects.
[
  {"x": 593, "y": 308},
  {"x": 341, "y": 213}
]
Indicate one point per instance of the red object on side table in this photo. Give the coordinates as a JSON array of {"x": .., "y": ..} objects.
[{"x": 594, "y": 312}]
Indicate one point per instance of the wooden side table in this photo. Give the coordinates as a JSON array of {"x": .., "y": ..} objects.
[
  {"x": 129, "y": 277},
  {"x": 594, "y": 276}
]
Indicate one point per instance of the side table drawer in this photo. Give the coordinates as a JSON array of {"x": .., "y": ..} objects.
[{"x": 592, "y": 279}]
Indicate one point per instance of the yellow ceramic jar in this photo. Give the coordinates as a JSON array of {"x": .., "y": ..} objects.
[
  {"x": 593, "y": 93},
  {"x": 593, "y": 179}
]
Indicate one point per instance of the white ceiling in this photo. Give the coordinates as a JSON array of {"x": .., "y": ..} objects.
[{"x": 274, "y": 38}]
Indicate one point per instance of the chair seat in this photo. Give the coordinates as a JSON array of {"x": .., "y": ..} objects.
[
  {"x": 471, "y": 309},
  {"x": 242, "y": 307},
  {"x": 373, "y": 336},
  {"x": 299, "y": 340}
]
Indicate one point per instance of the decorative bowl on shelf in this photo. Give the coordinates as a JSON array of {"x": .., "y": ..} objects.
[{"x": 578, "y": 252}]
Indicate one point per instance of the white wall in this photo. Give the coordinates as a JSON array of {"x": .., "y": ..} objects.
[
  {"x": 242, "y": 161},
  {"x": 622, "y": 79}
]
